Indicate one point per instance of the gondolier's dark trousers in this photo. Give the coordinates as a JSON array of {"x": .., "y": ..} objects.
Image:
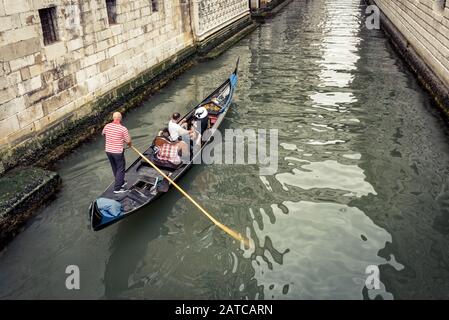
[{"x": 118, "y": 164}]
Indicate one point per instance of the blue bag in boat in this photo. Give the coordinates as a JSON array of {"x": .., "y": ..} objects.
[{"x": 109, "y": 208}]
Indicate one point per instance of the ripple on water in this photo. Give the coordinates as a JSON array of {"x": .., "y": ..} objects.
[
  {"x": 329, "y": 174},
  {"x": 325, "y": 258}
]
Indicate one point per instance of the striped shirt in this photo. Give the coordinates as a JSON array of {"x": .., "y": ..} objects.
[{"x": 115, "y": 135}]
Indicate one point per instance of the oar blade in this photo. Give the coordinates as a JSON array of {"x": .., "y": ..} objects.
[{"x": 232, "y": 233}]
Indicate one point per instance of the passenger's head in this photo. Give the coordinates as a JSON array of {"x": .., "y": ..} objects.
[
  {"x": 117, "y": 116},
  {"x": 165, "y": 133},
  {"x": 176, "y": 116}
]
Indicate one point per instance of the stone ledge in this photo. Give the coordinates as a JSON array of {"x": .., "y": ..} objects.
[
  {"x": 216, "y": 39},
  {"x": 426, "y": 76},
  {"x": 22, "y": 191},
  {"x": 270, "y": 10},
  {"x": 218, "y": 50}
]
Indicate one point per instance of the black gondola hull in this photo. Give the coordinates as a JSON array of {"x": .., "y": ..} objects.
[{"x": 136, "y": 172}]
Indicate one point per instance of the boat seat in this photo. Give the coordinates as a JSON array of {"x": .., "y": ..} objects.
[
  {"x": 212, "y": 108},
  {"x": 212, "y": 120},
  {"x": 161, "y": 164}
]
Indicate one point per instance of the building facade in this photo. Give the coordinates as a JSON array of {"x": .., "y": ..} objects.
[
  {"x": 57, "y": 56},
  {"x": 425, "y": 26}
]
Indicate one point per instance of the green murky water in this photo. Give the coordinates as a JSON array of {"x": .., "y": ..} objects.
[{"x": 363, "y": 179}]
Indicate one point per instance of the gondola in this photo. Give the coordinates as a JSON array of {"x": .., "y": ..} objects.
[{"x": 144, "y": 183}]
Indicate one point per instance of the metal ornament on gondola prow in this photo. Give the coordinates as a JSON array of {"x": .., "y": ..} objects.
[{"x": 145, "y": 184}]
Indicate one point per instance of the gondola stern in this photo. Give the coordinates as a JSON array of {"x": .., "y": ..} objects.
[{"x": 95, "y": 216}]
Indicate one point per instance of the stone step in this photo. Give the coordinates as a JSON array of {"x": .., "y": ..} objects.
[{"x": 22, "y": 190}]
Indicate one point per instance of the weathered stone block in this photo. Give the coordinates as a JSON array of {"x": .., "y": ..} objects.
[
  {"x": 30, "y": 85},
  {"x": 17, "y": 64},
  {"x": 7, "y": 94},
  {"x": 55, "y": 50},
  {"x": 21, "y": 135},
  {"x": 116, "y": 50},
  {"x": 30, "y": 114},
  {"x": 39, "y": 95},
  {"x": 14, "y": 78},
  {"x": 96, "y": 82},
  {"x": 2, "y": 13},
  {"x": 116, "y": 29},
  {"x": 29, "y": 18},
  {"x": 75, "y": 44},
  {"x": 61, "y": 113},
  {"x": 106, "y": 64},
  {"x": 65, "y": 83},
  {"x": 20, "y": 49},
  {"x": 18, "y": 34},
  {"x": 12, "y": 107},
  {"x": 116, "y": 72},
  {"x": 103, "y": 45},
  {"x": 25, "y": 73},
  {"x": 16, "y": 6},
  {"x": 36, "y": 69},
  {"x": 55, "y": 102},
  {"x": 86, "y": 73},
  {"x": 8, "y": 126},
  {"x": 5, "y": 23},
  {"x": 93, "y": 59}
]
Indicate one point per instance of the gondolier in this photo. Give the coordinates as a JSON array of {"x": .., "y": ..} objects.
[{"x": 115, "y": 136}]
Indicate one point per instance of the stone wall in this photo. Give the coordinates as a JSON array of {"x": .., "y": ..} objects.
[
  {"x": 41, "y": 86},
  {"x": 425, "y": 26}
]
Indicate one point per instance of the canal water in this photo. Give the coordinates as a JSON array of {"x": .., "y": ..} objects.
[{"x": 363, "y": 180}]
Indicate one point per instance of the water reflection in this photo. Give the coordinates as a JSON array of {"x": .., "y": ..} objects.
[
  {"x": 328, "y": 254},
  {"x": 362, "y": 181},
  {"x": 327, "y": 174},
  {"x": 310, "y": 265}
]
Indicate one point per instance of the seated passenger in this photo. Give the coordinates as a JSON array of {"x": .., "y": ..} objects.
[
  {"x": 172, "y": 152},
  {"x": 164, "y": 133},
  {"x": 200, "y": 124},
  {"x": 176, "y": 129}
]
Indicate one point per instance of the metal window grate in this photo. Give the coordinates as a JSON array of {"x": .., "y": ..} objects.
[
  {"x": 155, "y": 5},
  {"x": 111, "y": 7},
  {"x": 49, "y": 26}
]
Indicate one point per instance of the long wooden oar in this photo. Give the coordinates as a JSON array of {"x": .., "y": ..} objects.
[{"x": 229, "y": 231}]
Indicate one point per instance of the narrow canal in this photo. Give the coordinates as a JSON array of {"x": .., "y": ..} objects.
[{"x": 363, "y": 179}]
